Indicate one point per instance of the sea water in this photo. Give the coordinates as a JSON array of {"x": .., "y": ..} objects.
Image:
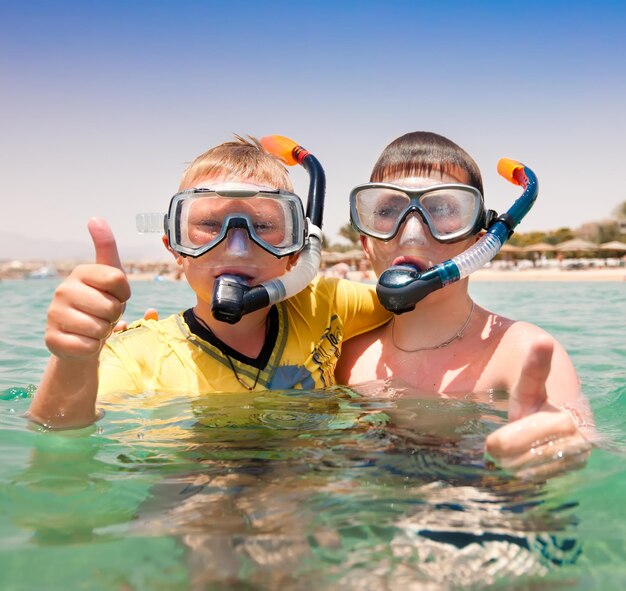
[{"x": 308, "y": 490}]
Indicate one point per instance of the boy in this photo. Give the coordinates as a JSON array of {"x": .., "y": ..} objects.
[
  {"x": 423, "y": 206},
  {"x": 293, "y": 344}
]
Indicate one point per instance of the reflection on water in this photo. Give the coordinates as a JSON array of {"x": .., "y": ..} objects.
[{"x": 290, "y": 490}]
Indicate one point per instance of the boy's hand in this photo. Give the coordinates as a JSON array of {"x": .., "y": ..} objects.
[
  {"x": 149, "y": 314},
  {"x": 88, "y": 304},
  {"x": 540, "y": 439}
]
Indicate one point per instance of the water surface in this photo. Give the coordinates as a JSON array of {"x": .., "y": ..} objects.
[{"x": 308, "y": 490}]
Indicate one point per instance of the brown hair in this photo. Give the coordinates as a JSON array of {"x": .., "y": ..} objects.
[
  {"x": 244, "y": 159},
  {"x": 421, "y": 153}
]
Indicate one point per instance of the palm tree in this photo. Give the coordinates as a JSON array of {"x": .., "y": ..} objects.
[
  {"x": 348, "y": 232},
  {"x": 620, "y": 211}
]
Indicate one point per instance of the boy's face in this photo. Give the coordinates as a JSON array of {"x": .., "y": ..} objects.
[
  {"x": 414, "y": 243},
  {"x": 235, "y": 255}
]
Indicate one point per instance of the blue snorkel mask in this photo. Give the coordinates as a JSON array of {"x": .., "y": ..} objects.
[
  {"x": 199, "y": 219},
  {"x": 400, "y": 287}
]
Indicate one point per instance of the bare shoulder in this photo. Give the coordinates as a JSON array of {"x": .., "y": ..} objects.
[
  {"x": 507, "y": 332},
  {"x": 519, "y": 335},
  {"x": 515, "y": 341}
]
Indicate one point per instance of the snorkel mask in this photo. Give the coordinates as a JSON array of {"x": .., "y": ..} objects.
[
  {"x": 400, "y": 287},
  {"x": 451, "y": 211},
  {"x": 199, "y": 219}
]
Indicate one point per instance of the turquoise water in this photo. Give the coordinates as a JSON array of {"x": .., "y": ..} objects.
[{"x": 312, "y": 490}]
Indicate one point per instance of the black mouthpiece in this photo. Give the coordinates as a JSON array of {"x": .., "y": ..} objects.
[
  {"x": 228, "y": 294},
  {"x": 400, "y": 287}
]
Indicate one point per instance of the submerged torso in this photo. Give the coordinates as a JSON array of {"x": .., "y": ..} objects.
[{"x": 468, "y": 364}]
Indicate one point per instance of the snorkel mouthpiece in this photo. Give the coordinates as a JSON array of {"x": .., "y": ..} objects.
[
  {"x": 228, "y": 295},
  {"x": 232, "y": 297},
  {"x": 400, "y": 287}
]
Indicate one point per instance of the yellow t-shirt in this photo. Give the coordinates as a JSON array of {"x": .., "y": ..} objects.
[{"x": 166, "y": 356}]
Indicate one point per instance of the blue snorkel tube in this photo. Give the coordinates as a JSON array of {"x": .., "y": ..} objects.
[
  {"x": 232, "y": 297},
  {"x": 400, "y": 287}
]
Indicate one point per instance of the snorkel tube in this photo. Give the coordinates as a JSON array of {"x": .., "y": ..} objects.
[
  {"x": 400, "y": 287},
  {"x": 232, "y": 297}
]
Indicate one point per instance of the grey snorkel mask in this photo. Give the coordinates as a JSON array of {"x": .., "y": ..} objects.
[
  {"x": 401, "y": 287},
  {"x": 201, "y": 218}
]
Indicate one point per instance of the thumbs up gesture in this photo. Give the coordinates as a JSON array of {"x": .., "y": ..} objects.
[
  {"x": 87, "y": 305},
  {"x": 541, "y": 439}
]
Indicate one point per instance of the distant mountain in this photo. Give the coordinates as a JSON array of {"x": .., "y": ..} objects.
[{"x": 14, "y": 246}]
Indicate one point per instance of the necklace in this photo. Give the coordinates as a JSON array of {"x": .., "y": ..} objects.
[
  {"x": 230, "y": 361},
  {"x": 457, "y": 335}
]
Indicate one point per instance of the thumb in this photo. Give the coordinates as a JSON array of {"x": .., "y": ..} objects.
[
  {"x": 104, "y": 243},
  {"x": 529, "y": 393}
]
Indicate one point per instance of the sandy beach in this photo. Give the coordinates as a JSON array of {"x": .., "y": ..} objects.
[
  {"x": 600, "y": 274},
  {"x": 603, "y": 274},
  {"x": 546, "y": 274},
  {"x": 612, "y": 274}
]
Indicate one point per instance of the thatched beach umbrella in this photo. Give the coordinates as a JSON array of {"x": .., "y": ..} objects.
[
  {"x": 509, "y": 252},
  {"x": 540, "y": 247},
  {"x": 613, "y": 249},
  {"x": 349, "y": 256},
  {"x": 355, "y": 254},
  {"x": 577, "y": 245},
  {"x": 330, "y": 257},
  {"x": 510, "y": 248},
  {"x": 613, "y": 246}
]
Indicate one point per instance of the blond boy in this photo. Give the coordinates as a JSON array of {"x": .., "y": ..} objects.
[{"x": 293, "y": 344}]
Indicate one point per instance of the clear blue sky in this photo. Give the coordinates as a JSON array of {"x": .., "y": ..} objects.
[{"x": 104, "y": 103}]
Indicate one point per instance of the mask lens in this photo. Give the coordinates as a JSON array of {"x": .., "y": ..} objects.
[
  {"x": 450, "y": 211},
  {"x": 273, "y": 222},
  {"x": 379, "y": 210},
  {"x": 200, "y": 222},
  {"x": 203, "y": 220}
]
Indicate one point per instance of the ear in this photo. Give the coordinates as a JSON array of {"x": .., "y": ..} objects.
[
  {"x": 166, "y": 243},
  {"x": 292, "y": 260},
  {"x": 365, "y": 246}
]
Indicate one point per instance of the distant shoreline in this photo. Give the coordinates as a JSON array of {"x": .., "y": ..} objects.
[
  {"x": 482, "y": 275},
  {"x": 602, "y": 274},
  {"x": 548, "y": 275}
]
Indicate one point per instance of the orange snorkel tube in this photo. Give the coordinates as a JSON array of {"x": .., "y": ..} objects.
[
  {"x": 232, "y": 298},
  {"x": 290, "y": 153}
]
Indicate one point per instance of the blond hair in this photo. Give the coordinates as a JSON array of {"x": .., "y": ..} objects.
[{"x": 244, "y": 159}]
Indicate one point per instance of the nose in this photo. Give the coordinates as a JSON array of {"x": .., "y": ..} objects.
[
  {"x": 237, "y": 242},
  {"x": 413, "y": 231}
]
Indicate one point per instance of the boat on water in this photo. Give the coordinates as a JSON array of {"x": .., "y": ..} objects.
[{"x": 44, "y": 272}]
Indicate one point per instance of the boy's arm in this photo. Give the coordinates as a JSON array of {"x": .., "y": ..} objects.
[
  {"x": 359, "y": 361},
  {"x": 359, "y": 308},
  {"x": 81, "y": 316}
]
